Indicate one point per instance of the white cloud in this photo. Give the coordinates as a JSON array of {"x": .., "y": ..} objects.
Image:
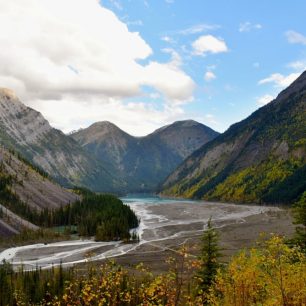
[
  {"x": 167, "y": 39},
  {"x": 198, "y": 28},
  {"x": 169, "y": 1},
  {"x": 280, "y": 80},
  {"x": 295, "y": 37},
  {"x": 248, "y": 26},
  {"x": 64, "y": 50},
  {"x": 298, "y": 65},
  {"x": 209, "y": 76},
  {"x": 209, "y": 44},
  {"x": 130, "y": 117},
  {"x": 265, "y": 99}
]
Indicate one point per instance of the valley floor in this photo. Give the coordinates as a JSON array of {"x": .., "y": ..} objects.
[
  {"x": 235, "y": 233},
  {"x": 165, "y": 226}
]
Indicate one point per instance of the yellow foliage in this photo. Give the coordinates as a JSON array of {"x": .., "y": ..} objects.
[{"x": 271, "y": 274}]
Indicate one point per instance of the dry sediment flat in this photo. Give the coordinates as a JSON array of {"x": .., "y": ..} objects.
[{"x": 236, "y": 233}]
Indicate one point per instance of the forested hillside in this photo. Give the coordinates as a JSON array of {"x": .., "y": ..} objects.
[{"x": 260, "y": 159}]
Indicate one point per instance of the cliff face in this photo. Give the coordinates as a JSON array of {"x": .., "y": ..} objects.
[
  {"x": 143, "y": 162},
  {"x": 23, "y": 187},
  {"x": 29, "y": 133},
  {"x": 256, "y": 160}
]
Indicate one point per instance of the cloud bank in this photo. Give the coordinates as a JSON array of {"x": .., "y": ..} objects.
[{"x": 75, "y": 52}]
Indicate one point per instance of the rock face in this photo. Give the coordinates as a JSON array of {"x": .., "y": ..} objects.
[
  {"x": 22, "y": 182},
  {"x": 260, "y": 159},
  {"x": 143, "y": 162},
  {"x": 29, "y": 133}
]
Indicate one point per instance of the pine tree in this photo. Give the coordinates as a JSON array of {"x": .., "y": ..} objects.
[
  {"x": 210, "y": 252},
  {"x": 300, "y": 219}
]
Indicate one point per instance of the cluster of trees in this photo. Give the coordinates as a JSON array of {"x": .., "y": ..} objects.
[
  {"x": 300, "y": 219},
  {"x": 38, "y": 287},
  {"x": 272, "y": 181},
  {"x": 100, "y": 215}
]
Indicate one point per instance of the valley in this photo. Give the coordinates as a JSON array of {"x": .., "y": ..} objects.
[
  {"x": 152, "y": 153},
  {"x": 165, "y": 225}
]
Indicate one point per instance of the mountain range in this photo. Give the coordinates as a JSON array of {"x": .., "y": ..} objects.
[
  {"x": 142, "y": 163},
  {"x": 101, "y": 157},
  {"x": 260, "y": 159}
]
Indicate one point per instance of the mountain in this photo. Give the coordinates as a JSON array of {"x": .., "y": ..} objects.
[
  {"x": 260, "y": 159},
  {"x": 143, "y": 162},
  {"x": 28, "y": 132},
  {"x": 25, "y": 189}
]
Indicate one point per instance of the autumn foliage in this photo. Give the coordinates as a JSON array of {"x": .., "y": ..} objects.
[{"x": 271, "y": 273}]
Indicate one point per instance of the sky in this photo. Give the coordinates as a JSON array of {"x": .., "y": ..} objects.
[{"x": 142, "y": 64}]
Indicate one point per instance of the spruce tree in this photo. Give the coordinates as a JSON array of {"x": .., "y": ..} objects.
[
  {"x": 210, "y": 252},
  {"x": 300, "y": 219}
]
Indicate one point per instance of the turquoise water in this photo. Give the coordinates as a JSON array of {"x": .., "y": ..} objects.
[{"x": 152, "y": 199}]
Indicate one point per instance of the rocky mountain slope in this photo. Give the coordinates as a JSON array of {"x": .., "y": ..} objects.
[
  {"x": 29, "y": 133},
  {"x": 25, "y": 188},
  {"x": 143, "y": 162},
  {"x": 260, "y": 159}
]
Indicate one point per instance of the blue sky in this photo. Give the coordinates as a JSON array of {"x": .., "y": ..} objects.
[
  {"x": 254, "y": 32},
  {"x": 142, "y": 64}
]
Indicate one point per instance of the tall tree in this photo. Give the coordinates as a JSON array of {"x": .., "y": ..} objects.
[
  {"x": 210, "y": 253},
  {"x": 300, "y": 219}
]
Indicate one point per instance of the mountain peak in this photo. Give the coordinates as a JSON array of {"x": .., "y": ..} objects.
[
  {"x": 297, "y": 86},
  {"x": 188, "y": 122},
  {"x": 8, "y": 94},
  {"x": 104, "y": 125}
]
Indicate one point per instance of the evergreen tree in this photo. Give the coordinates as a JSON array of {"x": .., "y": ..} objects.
[
  {"x": 210, "y": 252},
  {"x": 300, "y": 218}
]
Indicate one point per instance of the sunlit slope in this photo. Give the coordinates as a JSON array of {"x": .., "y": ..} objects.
[{"x": 260, "y": 159}]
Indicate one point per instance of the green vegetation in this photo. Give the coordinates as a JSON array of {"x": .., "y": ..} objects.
[
  {"x": 102, "y": 215},
  {"x": 38, "y": 287},
  {"x": 300, "y": 220},
  {"x": 288, "y": 190},
  {"x": 27, "y": 236},
  {"x": 210, "y": 252},
  {"x": 260, "y": 159},
  {"x": 261, "y": 183}
]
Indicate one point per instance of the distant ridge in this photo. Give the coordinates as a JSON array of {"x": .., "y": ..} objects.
[
  {"x": 102, "y": 157},
  {"x": 143, "y": 162}
]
